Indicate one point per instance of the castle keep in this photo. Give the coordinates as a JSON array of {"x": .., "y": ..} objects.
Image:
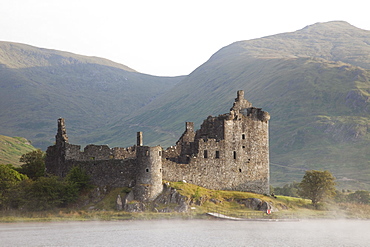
[{"x": 228, "y": 152}]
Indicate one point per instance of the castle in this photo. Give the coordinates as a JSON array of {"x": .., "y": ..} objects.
[{"x": 228, "y": 152}]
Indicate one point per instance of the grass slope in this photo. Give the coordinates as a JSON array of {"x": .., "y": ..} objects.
[{"x": 12, "y": 148}]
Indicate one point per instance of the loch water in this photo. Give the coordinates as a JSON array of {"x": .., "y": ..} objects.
[{"x": 187, "y": 233}]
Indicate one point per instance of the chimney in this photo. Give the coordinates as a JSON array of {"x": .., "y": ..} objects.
[{"x": 139, "y": 138}]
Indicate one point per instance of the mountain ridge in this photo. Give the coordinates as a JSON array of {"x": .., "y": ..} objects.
[
  {"x": 40, "y": 57},
  {"x": 317, "y": 105},
  {"x": 317, "y": 95},
  {"x": 41, "y": 85}
]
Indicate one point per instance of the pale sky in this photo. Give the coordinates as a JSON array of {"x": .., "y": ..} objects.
[{"x": 163, "y": 37}]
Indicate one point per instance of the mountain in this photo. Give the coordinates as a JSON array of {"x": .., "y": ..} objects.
[
  {"x": 314, "y": 82},
  {"x": 12, "y": 148},
  {"x": 37, "y": 86}
]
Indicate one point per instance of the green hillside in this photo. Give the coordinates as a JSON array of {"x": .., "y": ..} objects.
[
  {"x": 12, "y": 148},
  {"x": 315, "y": 83},
  {"x": 311, "y": 83},
  {"x": 39, "y": 85}
]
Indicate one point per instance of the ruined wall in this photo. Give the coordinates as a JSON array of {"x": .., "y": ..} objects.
[
  {"x": 104, "y": 172},
  {"x": 113, "y": 173},
  {"x": 228, "y": 152}
]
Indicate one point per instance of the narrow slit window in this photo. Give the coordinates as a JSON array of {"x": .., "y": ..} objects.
[
  {"x": 147, "y": 153},
  {"x": 234, "y": 154},
  {"x": 240, "y": 170},
  {"x": 243, "y": 136},
  {"x": 205, "y": 154},
  {"x": 217, "y": 154}
]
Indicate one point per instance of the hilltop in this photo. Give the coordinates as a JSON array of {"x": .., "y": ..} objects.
[{"x": 315, "y": 84}]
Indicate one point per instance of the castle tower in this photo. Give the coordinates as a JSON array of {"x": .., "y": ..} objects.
[
  {"x": 149, "y": 173},
  {"x": 56, "y": 154},
  {"x": 246, "y": 139}
]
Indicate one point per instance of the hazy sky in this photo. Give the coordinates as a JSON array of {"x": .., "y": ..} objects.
[{"x": 161, "y": 37}]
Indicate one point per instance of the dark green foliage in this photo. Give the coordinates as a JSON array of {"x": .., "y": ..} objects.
[
  {"x": 50, "y": 192},
  {"x": 34, "y": 164},
  {"x": 17, "y": 191},
  {"x": 360, "y": 196},
  {"x": 9, "y": 180},
  {"x": 288, "y": 190},
  {"x": 79, "y": 178},
  {"x": 317, "y": 186}
]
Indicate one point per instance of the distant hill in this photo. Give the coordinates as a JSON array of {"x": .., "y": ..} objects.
[
  {"x": 37, "y": 86},
  {"x": 12, "y": 148},
  {"x": 315, "y": 84}
]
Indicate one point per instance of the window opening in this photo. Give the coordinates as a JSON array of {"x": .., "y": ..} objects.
[
  {"x": 234, "y": 154},
  {"x": 240, "y": 170},
  {"x": 147, "y": 170},
  {"x": 217, "y": 154},
  {"x": 243, "y": 136},
  {"x": 205, "y": 154}
]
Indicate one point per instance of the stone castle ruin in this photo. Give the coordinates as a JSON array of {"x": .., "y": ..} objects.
[{"x": 228, "y": 152}]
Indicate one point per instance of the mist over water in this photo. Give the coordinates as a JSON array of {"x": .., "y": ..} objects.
[{"x": 188, "y": 233}]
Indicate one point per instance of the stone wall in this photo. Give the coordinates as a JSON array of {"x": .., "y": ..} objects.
[{"x": 113, "y": 173}]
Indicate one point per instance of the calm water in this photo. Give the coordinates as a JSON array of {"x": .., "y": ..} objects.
[{"x": 188, "y": 233}]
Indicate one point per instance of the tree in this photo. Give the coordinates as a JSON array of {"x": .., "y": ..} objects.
[
  {"x": 79, "y": 177},
  {"x": 360, "y": 196},
  {"x": 9, "y": 179},
  {"x": 317, "y": 185},
  {"x": 288, "y": 189},
  {"x": 50, "y": 192},
  {"x": 34, "y": 166}
]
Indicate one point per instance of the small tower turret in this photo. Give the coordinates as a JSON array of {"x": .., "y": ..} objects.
[{"x": 149, "y": 173}]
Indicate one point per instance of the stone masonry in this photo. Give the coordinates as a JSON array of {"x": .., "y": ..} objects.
[{"x": 228, "y": 152}]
